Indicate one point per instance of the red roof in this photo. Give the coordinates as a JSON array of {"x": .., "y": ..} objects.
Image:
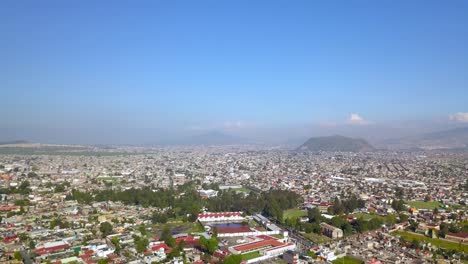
[
  {"x": 460, "y": 235},
  {"x": 43, "y": 251},
  {"x": 8, "y": 239},
  {"x": 221, "y": 214},
  {"x": 187, "y": 239},
  {"x": 162, "y": 245},
  {"x": 230, "y": 230},
  {"x": 258, "y": 244},
  {"x": 8, "y": 208}
]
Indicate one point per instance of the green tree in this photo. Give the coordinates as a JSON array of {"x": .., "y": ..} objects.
[
  {"x": 17, "y": 256},
  {"x": 398, "y": 205},
  {"x": 103, "y": 261},
  {"x": 210, "y": 245},
  {"x": 141, "y": 245},
  {"x": 105, "y": 228},
  {"x": 116, "y": 242},
  {"x": 314, "y": 215},
  {"x": 32, "y": 245},
  {"x": 403, "y": 218},
  {"x": 399, "y": 192},
  {"x": 23, "y": 188},
  {"x": 142, "y": 229},
  {"x": 167, "y": 237}
]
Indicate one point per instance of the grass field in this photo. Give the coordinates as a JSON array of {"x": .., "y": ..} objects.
[
  {"x": 316, "y": 238},
  {"x": 243, "y": 189},
  {"x": 294, "y": 213},
  {"x": 425, "y": 205},
  {"x": 347, "y": 260},
  {"x": 251, "y": 255},
  {"x": 434, "y": 241}
]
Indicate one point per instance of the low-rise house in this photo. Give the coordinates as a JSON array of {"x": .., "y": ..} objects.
[{"x": 331, "y": 231}]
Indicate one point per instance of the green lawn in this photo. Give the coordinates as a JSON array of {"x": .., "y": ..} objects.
[
  {"x": 434, "y": 241},
  {"x": 425, "y": 205},
  {"x": 251, "y": 255},
  {"x": 347, "y": 260},
  {"x": 294, "y": 213},
  {"x": 316, "y": 238}
]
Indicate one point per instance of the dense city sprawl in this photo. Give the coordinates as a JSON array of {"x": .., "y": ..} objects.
[{"x": 232, "y": 204}]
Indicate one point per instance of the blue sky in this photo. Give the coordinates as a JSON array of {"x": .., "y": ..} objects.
[{"x": 131, "y": 72}]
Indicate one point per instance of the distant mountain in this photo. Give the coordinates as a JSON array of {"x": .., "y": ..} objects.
[
  {"x": 456, "y": 138},
  {"x": 214, "y": 138},
  {"x": 14, "y": 142},
  {"x": 336, "y": 143}
]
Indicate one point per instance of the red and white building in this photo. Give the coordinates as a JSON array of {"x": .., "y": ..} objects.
[
  {"x": 221, "y": 217},
  {"x": 267, "y": 246},
  {"x": 50, "y": 247}
]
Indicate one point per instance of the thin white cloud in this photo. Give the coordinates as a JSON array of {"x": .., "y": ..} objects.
[
  {"x": 459, "y": 117},
  {"x": 233, "y": 124},
  {"x": 227, "y": 125},
  {"x": 356, "y": 119}
]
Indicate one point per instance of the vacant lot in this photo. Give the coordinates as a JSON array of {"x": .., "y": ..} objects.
[
  {"x": 424, "y": 205},
  {"x": 294, "y": 213},
  {"x": 316, "y": 238}
]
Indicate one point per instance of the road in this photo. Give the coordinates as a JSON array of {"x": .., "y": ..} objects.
[{"x": 302, "y": 242}]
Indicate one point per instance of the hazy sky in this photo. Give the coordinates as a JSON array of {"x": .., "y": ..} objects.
[{"x": 147, "y": 71}]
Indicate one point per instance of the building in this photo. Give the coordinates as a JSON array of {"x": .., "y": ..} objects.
[
  {"x": 291, "y": 257},
  {"x": 267, "y": 246},
  {"x": 460, "y": 237},
  {"x": 207, "y": 193},
  {"x": 221, "y": 217},
  {"x": 331, "y": 231}
]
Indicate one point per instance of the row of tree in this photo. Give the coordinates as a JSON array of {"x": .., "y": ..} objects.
[{"x": 172, "y": 204}]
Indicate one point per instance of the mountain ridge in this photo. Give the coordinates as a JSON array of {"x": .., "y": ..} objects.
[{"x": 336, "y": 143}]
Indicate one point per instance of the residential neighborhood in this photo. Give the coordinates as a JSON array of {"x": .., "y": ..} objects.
[{"x": 210, "y": 205}]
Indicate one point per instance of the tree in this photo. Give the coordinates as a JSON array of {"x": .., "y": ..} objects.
[
  {"x": 59, "y": 188},
  {"x": 116, "y": 242},
  {"x": 103, "y": 261},
  {"x": 32, "y": 245},
  {"x": 215, "y": 232},
  {"x": 141, "y": 245},
  {"x": 142, "y": 229},
  {"x": 398, "y": 205},
  {"x": 24, "y": 188},
  {"x": 443, "y": 229},
  {"x": 415, "y": 244},
  {"x": 399, "y": 192},
  {"x": 314, "y": 215},
  {"x": 210, "y": 245},
  {"x": 17, "y": 256},
  {"x": 105, "y": 228},
  {"x": 361, "y": 225},
  {"x": 427, "y": 198},
  {"x": 403, "y": 218},
  {"x": 390, "y": 219},
  {"x": 413, "y": 226},
  {"x": 167, "y": 237}
]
